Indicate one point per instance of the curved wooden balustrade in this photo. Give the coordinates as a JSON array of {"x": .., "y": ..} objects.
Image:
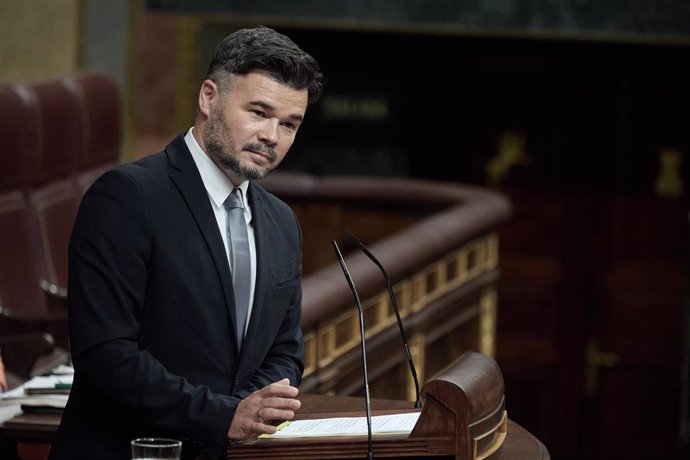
[{"x": 439, "y": 246}]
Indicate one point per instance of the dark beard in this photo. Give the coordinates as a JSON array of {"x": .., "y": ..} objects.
[
  {"x": 228, "y": 161},
  {"x": 231, "y": 164}
]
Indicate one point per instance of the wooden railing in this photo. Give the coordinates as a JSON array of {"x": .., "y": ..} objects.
[{"x": 439, "y": 246}]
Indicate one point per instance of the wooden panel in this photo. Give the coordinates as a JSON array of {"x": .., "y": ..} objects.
[
  {"x": 446, "y": 312},
  {"x": 324, "y": 222}
]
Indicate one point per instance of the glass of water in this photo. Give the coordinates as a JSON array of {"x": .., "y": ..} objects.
[{"x": 156, "y": 449}]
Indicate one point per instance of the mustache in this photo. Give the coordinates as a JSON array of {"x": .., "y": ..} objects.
[{"x": 261, "y": 148}]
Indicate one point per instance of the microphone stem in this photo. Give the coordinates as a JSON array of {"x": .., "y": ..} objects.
[
  {"x": 410, "y": 362},
  {"x": 396, "y": 310},
  {"x": 358, "y": 303},
  {"x": 417, "y": 403},
  {"x": 367, "y": 398}
]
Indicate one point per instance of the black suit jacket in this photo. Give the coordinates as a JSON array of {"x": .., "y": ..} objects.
[{"x": 151, "y": 311}]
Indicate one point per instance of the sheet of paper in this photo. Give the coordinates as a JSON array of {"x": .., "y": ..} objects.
[
  {"x": 49, "y": 381},
  {"x": 21, "y": 396},
  {"x": 7, "y": 412},
  {"x": 54, "y": 401},
  {"x": 347, "y": 426}
]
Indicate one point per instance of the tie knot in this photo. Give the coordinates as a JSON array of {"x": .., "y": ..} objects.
[{"x": 234, "y": 200}]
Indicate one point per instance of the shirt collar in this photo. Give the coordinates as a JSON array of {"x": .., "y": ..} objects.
[{"x": 216, "y": 182}]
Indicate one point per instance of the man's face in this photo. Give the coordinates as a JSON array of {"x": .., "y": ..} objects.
[{"x": 252, "y": 125}]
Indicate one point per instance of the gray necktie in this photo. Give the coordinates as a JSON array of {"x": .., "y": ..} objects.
[{"x": 238, "y": 242}]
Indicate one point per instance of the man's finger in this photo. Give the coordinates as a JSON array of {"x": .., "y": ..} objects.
[
  {"x": 279, "y": 389},
  {"x": 277, "y": 414},
  {"x": 281, "y": 403},
  {"x": 263, "y": 428}
]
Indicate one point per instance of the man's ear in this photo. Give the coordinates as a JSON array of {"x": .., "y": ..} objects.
[{"x": 208, "y": 95}]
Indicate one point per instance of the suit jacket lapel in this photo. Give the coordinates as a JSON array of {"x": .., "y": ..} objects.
[
  {"x": 262, "y": 243},
  {"x": 185, "y": 175}
]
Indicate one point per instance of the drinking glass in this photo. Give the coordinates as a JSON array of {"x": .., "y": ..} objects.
[{"x": 156, "y": 449}]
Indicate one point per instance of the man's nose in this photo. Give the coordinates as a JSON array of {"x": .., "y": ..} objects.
[{"x": 269, "y": 132}]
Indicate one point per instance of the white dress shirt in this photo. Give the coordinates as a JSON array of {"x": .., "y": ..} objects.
[{"x": 218, "y": 187}]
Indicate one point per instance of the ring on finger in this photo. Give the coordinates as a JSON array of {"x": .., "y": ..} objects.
[{"x": 258, "y": 416}]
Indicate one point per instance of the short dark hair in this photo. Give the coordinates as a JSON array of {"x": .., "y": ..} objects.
[{"x": 264, "y": 49}]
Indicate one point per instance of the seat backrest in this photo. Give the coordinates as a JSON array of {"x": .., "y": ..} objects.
[
  {"x": 21, "y": 266},
  {"x": 52, "y": 188},
  {"x": 60, "y": 138},
  {"x": 18, "y": 134},
  {"x": 57, "y": 137},
  {"x": 101, "y": 110},
  {"x": 54, "y": 209}
]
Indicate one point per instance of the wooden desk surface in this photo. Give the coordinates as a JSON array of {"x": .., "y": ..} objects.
[{"x": 519, "y": 443}]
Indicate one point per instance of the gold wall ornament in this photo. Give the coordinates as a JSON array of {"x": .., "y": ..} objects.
[
  {"x": 511, "y": 153},
  {"x": 595, "y": 360},
  {"x": 669, "y": 181},
  {"x": 487, "y": 321}
]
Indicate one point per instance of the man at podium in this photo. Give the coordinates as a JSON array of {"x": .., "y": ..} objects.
[{"x": 184, "y": 288}]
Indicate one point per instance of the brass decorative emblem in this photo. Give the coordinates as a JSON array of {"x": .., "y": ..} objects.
[
  {"x": 669, "y": 181},
  {"x": 511, "y": 153}
]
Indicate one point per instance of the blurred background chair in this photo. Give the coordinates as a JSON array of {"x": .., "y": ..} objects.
[
  {"x": 27, "y": 326},
  {"x": 71, "y": 156},
  {"x": 100, "y": 110},
  {"x": 58, "y": 136}
]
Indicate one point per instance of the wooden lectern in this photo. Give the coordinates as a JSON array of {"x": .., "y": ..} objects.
[{"x": 463, "y": 418}]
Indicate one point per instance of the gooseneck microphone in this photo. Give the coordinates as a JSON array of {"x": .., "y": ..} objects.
[
  {"x": 394, "y": 303},
  {"x": 367, "y": 398}
]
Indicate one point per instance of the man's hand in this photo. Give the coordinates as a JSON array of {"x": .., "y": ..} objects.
[{"x": 273, "y": 402}]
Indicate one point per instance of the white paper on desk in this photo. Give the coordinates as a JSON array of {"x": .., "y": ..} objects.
[
  {"x": 19, "y": 396},
  {"x": 347, "y": 426},
  {"x": 9, "y": 411},
  {"x": 48, "y": 381},
  {"x": 55, "y": 401}
]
